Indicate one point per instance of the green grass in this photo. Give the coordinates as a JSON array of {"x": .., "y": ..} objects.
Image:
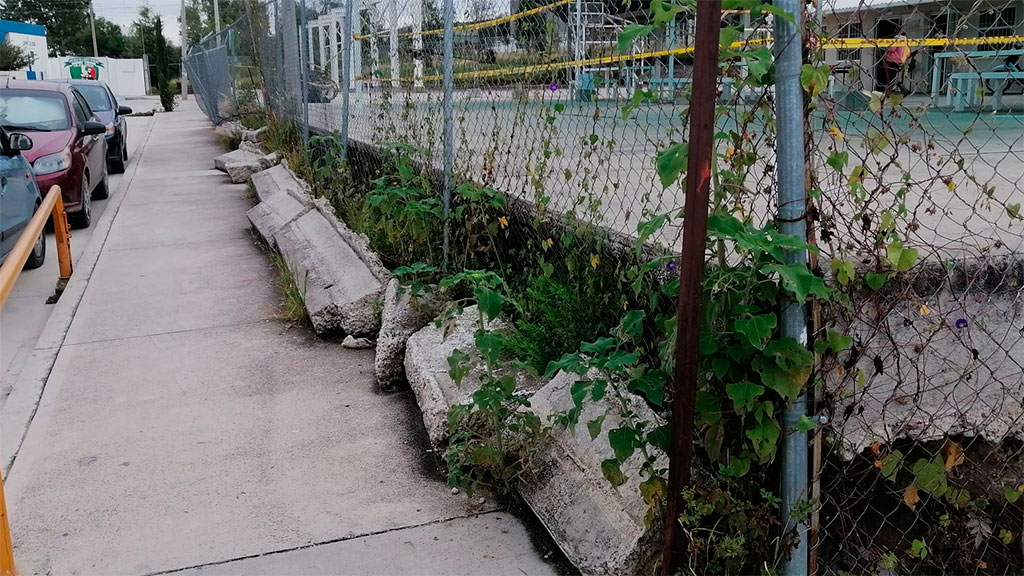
[{"x": 292, "y": 309}]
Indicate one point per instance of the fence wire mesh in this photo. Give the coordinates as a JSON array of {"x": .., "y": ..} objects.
[{"x": 914, "y": 168}]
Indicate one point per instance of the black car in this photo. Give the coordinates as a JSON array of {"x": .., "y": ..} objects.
[{"x": 104, "y": 105}]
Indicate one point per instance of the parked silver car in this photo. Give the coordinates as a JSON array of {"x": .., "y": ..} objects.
[{"x": 19, "y": 196}]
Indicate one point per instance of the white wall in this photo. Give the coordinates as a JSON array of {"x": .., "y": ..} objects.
[
  {"x": 34, "y": 45},
  {"x": 126, "y": 77}
]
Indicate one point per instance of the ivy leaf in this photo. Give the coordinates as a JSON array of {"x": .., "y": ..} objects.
[
  {"x": 568, "y": 363},
  {"x": 630, "y": 33},
  {"x": 837, "y": 341},
  {"x": 727, "y": 36},
  {"x": 759, "y": 63},
  {"x": 876, "y": 280},
  {"x": 890, "y": 465},
  {"x": 799, "y": 280},
  {"x": 876, "y": 141},
  {"x": 579, "y": 390},
  {"x": 804, "y": 424},
  {"x": 651, "y": 384},
  {"x": 838, "y": 160},
  {"x": 594, "y": 427},
  {"x": 844, "y": 271},
  {"x": 458, "y": 366},
  {"x": 671, "y": 162},
  {"x": 623, "y": 442},
  {"x": 757, "y": 329},
  {"x": 632, "y": 324},
  {"x": 653, "y": 490},
  {"x": 598, "y": 389},
  {"x": 661, "y": 437},
  {"x": 1013, "y": 494},
  {"x": 1013, "y": 211},
  {"x": 814, "y": 79},
  {"x": 764, "y": 436},
  {"x": 900, "y": 258},
  {"x": 599, "y": 346},
  {"x": 490, "y": 302},
  {"x": 743, "y": 394},
  {"x": 709, "y": 407},
  {"x": 954, "y": 455},
  {"x": 612, "y": 472},
  {"x": 737, "y": 468},
  {"x": 930, "y": 476}
]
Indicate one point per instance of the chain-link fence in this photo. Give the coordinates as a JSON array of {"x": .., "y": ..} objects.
[{"x": 577, "y": 113}]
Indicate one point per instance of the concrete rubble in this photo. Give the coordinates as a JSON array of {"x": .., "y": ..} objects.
[
  {"x": 426, "y": 368},
  {"x": 403, "y": 315},
  {"x": 601, "y": 528},
  {"x": 341, "y": 279},
  {"x": 221, "y": 162}
]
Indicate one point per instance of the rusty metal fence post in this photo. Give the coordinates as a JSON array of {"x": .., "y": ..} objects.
[{"x": 691, "y": 273}]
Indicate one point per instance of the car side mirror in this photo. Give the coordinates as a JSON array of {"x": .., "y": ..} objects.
[
  {"x": 94, "y": 128},
  {"x": 19, "y": 143},
  {"x": 124, "y": 110}
]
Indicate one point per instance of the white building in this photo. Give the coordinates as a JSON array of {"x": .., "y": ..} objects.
[{"x": 32, "y": 39}]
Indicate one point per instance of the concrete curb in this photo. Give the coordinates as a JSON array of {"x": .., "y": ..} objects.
[{"x": 20, "y": 408}]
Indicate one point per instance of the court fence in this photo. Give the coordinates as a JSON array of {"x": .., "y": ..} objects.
[{"x": 547, "y": 143}]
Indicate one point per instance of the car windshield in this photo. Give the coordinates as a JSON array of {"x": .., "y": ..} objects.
[
  {"x": 33, "y": 110},
  {"x": 97, "y": 97}
]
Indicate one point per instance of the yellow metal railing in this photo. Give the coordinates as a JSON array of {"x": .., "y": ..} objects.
[{"x": 52, "y": 206}]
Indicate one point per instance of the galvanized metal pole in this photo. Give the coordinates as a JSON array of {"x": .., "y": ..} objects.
[
  {"x": 691, "y": 274},
  {"x": 184, "y": 52},
  {"x": 92, "y": 26},
  {"x": 346, "y": 71},
  {"x": 448, "y": 106},
  {"x": 216, "y": 19},
  {"x": 304, "y": 56},
  {"x": 789, "y": 112}
]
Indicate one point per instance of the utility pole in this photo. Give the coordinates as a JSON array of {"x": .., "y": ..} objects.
[
  {"x": 92, "y": 25},
  {"x": 216, "y": 19},
  {"x": 184, "y": 51}
]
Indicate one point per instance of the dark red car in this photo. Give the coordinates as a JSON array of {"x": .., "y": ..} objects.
[{"x": 69, "y": 148}]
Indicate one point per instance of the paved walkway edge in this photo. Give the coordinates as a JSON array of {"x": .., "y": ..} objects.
[{"x": 20, "y": 408}]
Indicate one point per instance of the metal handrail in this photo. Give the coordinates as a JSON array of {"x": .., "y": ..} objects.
[{"x": 52, "y": 205}]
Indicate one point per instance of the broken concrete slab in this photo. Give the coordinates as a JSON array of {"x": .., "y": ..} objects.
[
  {"x": 341, "y": 292},
  {"x": 601, "y": 528},
  {"x": 254, "y": 135},
  {"x": 250, "y": 147},
  {"x": 403, "y": 315},
  {"x": 221, "y": 162},
  {"x": 240, "y": 172},
  {"x": 426, "y": 367},
  {"x": 283, "y": 198},
  {"x": 269, "y": 160}
]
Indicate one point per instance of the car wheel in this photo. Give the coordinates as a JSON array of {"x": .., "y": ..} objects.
[
  {"x": 83, "y": 218},
  {"x": 116, "y": 166},
  {"x": 103, "y": 190},
  {"x": 37, "y": 257}
]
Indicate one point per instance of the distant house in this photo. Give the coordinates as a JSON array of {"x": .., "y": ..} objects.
[
  {"x": 32, "y": 39},
  {"x": 915, "y": 19}
]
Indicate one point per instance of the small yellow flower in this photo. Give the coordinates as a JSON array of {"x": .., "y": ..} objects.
[
  {"x": 594, "y": 261},
  {"x": 951, "y": 185},
  {"x": 503, "y": 222},
  {"x": 730, "y": 152},
  {"x": 836, "y": 133},
  {"x": 549, "y": 242},
  {"x": 925, "y": 310}
]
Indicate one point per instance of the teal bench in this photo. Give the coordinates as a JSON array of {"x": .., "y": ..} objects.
[{"x": 964, "y": 88}]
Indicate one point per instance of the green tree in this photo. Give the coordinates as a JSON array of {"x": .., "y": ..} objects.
[
  {"x": 62, "y": 19},
  {"x": 162, "y": 70},
  {"x": 199, "y": 15},
  {"x": 12, "y": 57},
  {"x": 110, "y": 40}
]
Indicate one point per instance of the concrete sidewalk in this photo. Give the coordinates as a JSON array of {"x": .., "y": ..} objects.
[{"x": 184, "y": 427}]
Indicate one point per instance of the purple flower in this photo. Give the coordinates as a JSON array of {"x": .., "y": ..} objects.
[
  {"x": 961, "y": 323},
  {"x": 553, "y": 86},
  {"x": 672, "y": 266}
]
